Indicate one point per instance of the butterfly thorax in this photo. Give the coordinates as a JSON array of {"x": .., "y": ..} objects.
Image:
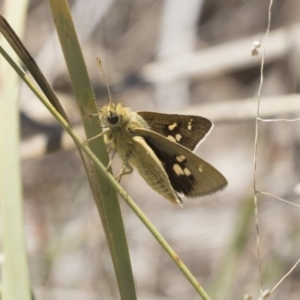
[{"x": 121, "y": 121}]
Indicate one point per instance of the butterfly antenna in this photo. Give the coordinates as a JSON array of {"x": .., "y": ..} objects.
[{"x": 104, "y": 76}]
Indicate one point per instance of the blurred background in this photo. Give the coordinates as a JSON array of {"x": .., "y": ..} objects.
[{"x": 174, "y": 56}]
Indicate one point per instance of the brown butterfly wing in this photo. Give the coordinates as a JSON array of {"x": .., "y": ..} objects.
[
  {"x": 185, "y": 130},
  {"x": 188, "y": 173}
]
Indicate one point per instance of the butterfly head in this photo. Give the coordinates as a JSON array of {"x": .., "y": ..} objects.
[{"x": 111, "y": 115}]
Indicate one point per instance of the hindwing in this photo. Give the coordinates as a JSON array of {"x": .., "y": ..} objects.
[{"x": 188, "y": 173}]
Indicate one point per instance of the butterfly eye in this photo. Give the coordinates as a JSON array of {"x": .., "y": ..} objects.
[{"x": 113, "y": 119}]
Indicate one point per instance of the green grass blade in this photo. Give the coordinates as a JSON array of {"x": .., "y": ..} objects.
[
  {"x": 105, "y": 197},
  {"x": 15, "y": 283}
]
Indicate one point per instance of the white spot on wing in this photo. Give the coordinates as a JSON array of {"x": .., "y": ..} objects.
[
  {"x": 200, "y": 168},
  {"x": 171, "y": 138},
  {"x": 190, "y": 124},
  {"x": 178, "y": 170},
  {"x": 180, "y": 158},
  {"x": 178, "y": 137},
  {"x": 187, "y": 172},
  {"x": 172, "y": 126}
]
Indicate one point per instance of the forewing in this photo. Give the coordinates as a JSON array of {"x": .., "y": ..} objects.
[
  {"x": 185, "y": 130},
  {"x": 188, "y": 174}
]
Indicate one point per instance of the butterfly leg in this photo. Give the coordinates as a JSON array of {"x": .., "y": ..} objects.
[
  {"x": 110, "y": 160},
  {"x": 94, "y": 115},
  {"x": 96, "y": 136},
  {"x": 126, "y": 169}
]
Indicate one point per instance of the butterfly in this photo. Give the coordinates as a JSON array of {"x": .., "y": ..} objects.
[{"x": 160, "y": 146}]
